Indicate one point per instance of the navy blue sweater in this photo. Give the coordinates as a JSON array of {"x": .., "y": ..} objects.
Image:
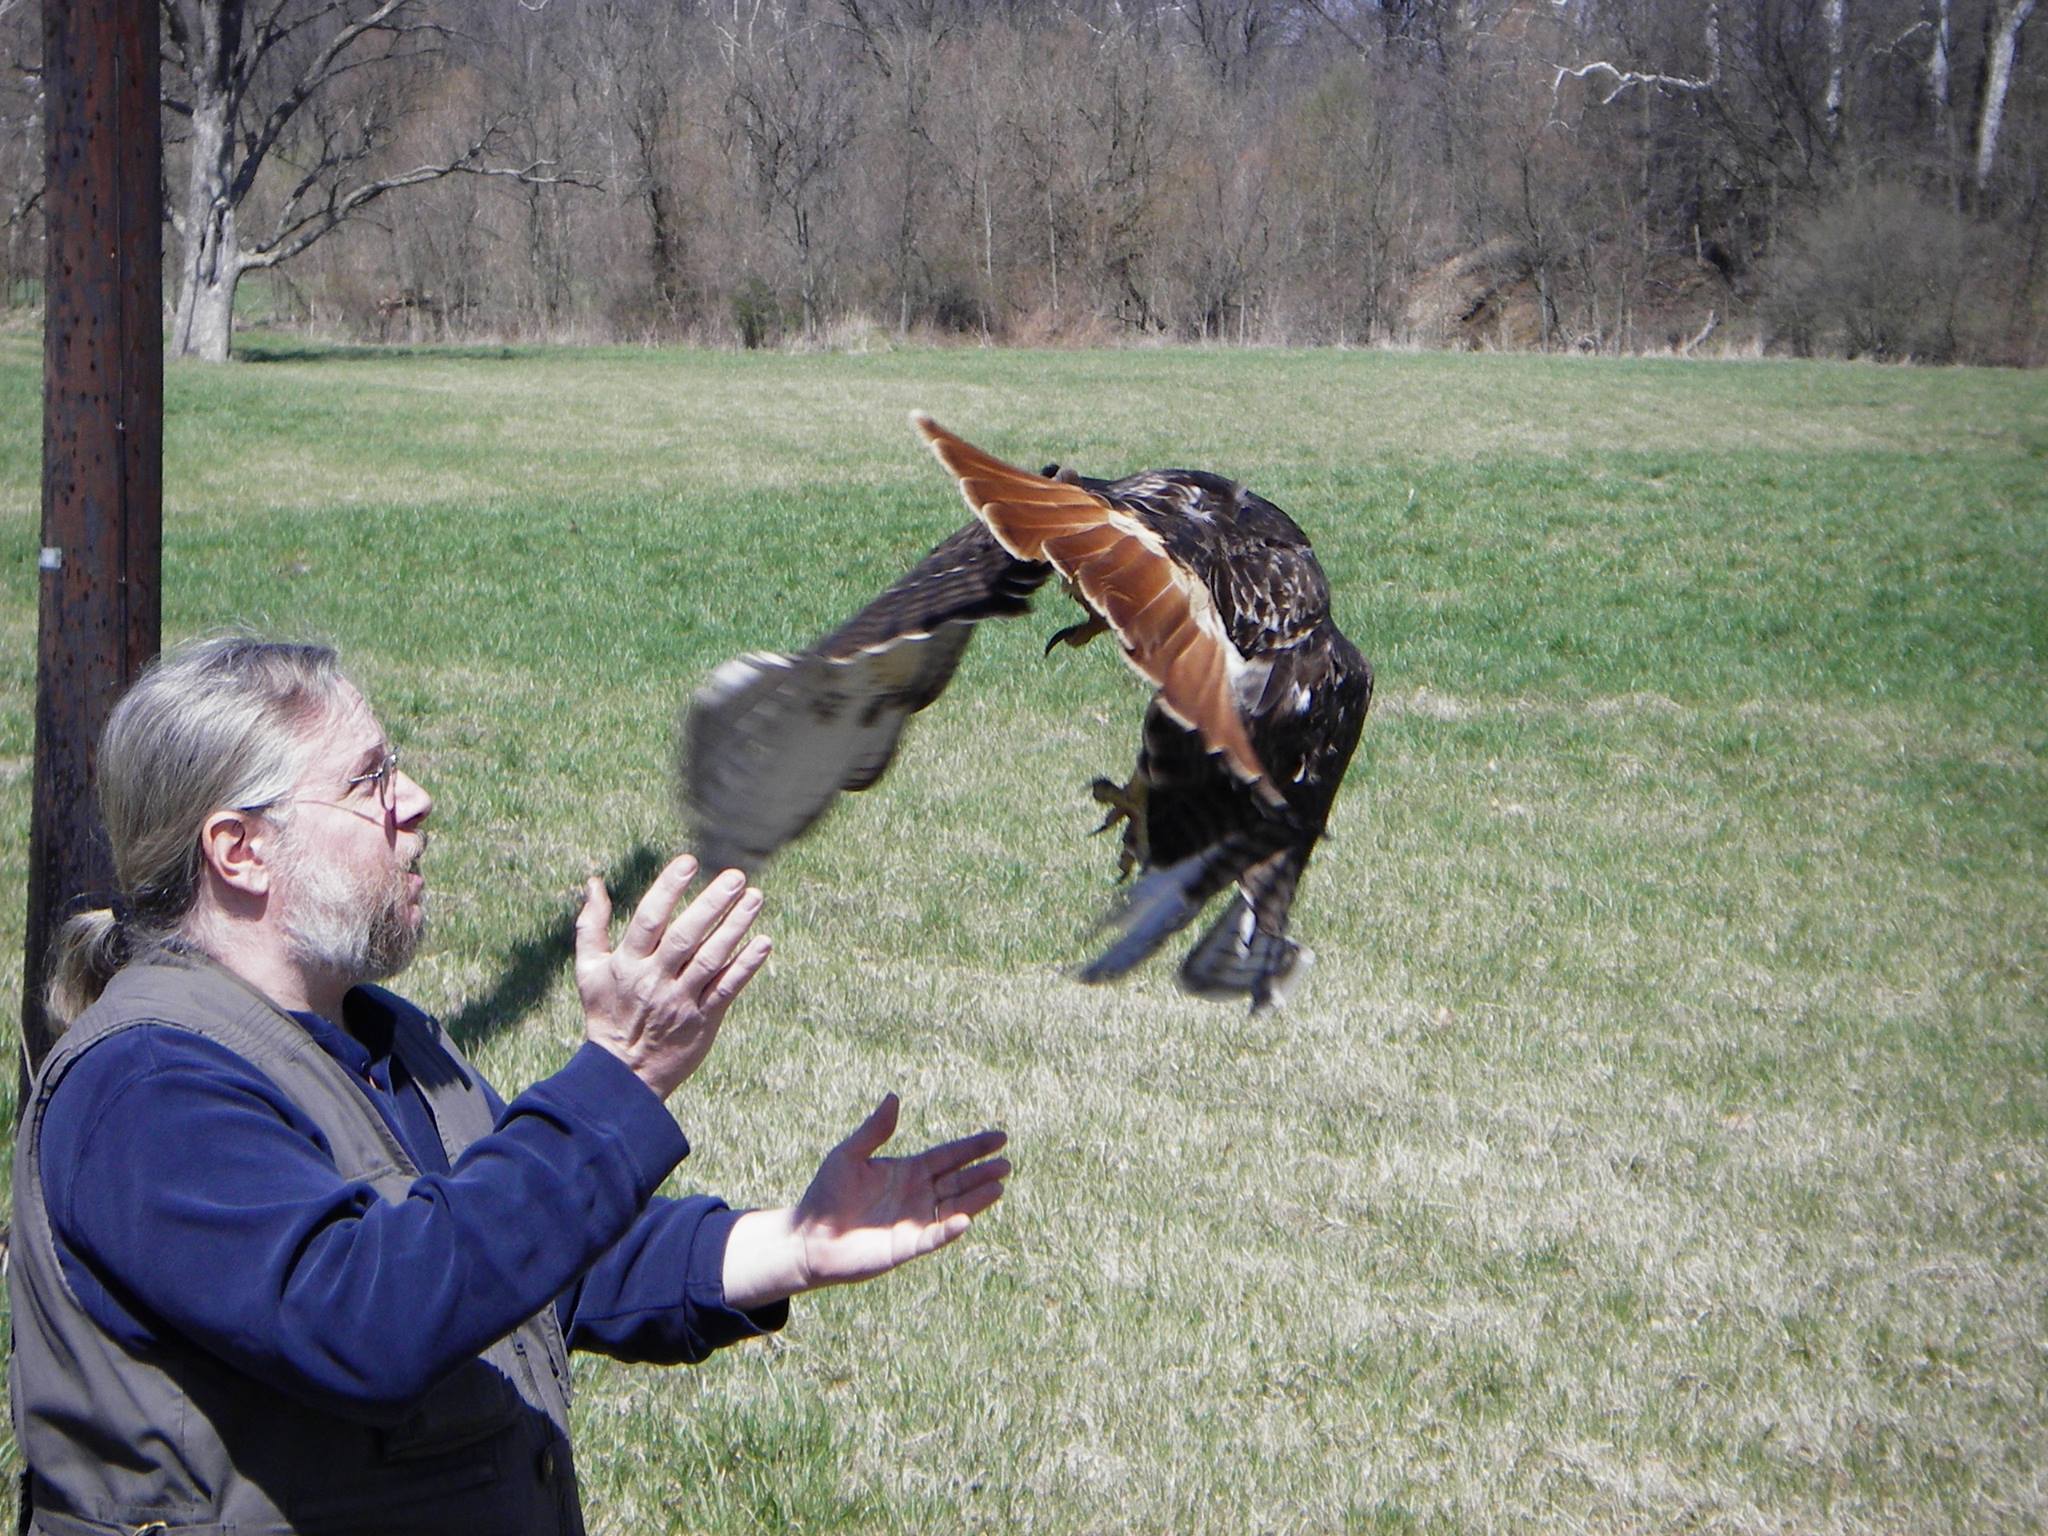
[{"x": 187, "y": 1194}]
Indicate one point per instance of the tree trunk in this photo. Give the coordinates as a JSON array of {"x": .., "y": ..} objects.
[
  {"x": 1998, "y": 81},
  {"x": 988, "y": 256},
  {"x": 205, "y": 322},
  {"x": 542, "y": 262},
  {"x": 1938, "y": 75},
  {"x": 644, "y": 120},
  {"x": 664, "y": 248},
  {"x": 1052, "y": 246},
  {"x": 1837, "y": 22},
  {"x": 209, "y": 250},
  {"x": 906, "y": 213},
  {"x": 1938, "y": 70},
  {"x": 807, "y": 278}
]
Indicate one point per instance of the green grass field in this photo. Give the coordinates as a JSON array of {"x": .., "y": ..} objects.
[{"x": 1662, "y": 1141}]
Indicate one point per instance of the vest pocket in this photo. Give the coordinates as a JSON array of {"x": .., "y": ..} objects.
[
  {"x": 459, "y": 1490},
  {"x": 50, "y": 1523},
  {"x": 428, "y": 1498},
  {"x": 473, "y": 1404}
]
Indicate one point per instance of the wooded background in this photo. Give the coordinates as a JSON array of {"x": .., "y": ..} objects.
[{"x": 1854, "y": 177}]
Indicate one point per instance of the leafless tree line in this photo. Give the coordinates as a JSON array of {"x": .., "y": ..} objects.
[{"x": 1847, "y": 176}]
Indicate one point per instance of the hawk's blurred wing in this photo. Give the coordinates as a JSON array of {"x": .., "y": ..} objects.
[{"x": 771, "y": 740}]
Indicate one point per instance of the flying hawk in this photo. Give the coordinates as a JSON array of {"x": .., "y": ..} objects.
[{"x": 1215, "y": 599}]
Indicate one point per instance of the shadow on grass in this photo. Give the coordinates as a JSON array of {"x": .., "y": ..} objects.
[
  {"x": 342, "y": 351},
  {"x": 534, "y": 962}
]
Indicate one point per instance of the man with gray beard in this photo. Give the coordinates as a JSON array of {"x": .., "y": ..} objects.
[{"x": 283, "y": 1262}]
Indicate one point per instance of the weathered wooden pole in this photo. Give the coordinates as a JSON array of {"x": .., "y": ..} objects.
[{"x": 103, "y": 373}]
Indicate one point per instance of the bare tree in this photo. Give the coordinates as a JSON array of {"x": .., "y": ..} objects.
[
  {"x": 635, "y": 61},
  {"x": 1043, "y": 128},
  {"x": 902, "y": 42},
  {"x": 1133, "y": 122},
  {"x": 1341, "y": 175},
  {"x": 279, "y": 82},
  {"x": 1234, "y": 36},
  {"x": 792, "y": 104},
  {"x": 968, "y": 132},
  {"x": 21, "y": 149}
]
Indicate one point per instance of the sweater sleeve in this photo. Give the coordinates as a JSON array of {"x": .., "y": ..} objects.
[
  {"x": 657, "y": 1297},
  {"x": 659, "y": 1294},
  {"x": 188, "y": 1194}
]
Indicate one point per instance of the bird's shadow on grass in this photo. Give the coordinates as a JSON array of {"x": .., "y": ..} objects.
[{"x": 532, "y": 963}]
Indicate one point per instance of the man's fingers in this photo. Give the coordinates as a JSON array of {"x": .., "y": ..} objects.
[
  {"x": 960, "y": 1180},
  {"x": 970, "y": 1203},
  {"x": 718, "y": 946},
  {"x": 872, "y": 1133},
  {"x": 941, "y": 1161},
  {"x": 699, "y": 920},
  {"x": 594, "y": 921},
  {"x": 651, "y": 917},
  {"x": 733, "y": 979},
  {"x": 940, "y": 1233}
]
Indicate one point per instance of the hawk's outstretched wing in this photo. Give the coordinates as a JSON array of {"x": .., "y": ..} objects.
[
  {"x": 1160, "y": 609},
  {"x": 772, "y": 739}
]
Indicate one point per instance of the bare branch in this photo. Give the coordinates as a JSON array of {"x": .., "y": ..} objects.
[
  {"x": 1627, "y": 79},
  {"x": 1624, "y": 79},
  {"x": 272, "y": 30},
  {"x": 1322, "y": 13},
  {"x": 295, "y": 237},
  {"x": 1896, "y": 43},
  {"x": 317, "y": 72},
  {"x": 34, "y": 195},
  {"x": 327, "y": 65}
]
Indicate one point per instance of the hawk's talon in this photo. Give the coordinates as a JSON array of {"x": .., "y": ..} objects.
[
  {"x": 1126, "y": 802},
  {"x": 1078, "y": 635}
]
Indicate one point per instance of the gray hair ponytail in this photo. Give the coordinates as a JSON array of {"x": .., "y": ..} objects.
[{"x": 215, "y": 723}]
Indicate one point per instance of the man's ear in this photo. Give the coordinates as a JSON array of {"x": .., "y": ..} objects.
[{"x": 239, "y": 849}]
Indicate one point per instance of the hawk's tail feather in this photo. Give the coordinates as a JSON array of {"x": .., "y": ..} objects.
[
  {"x": 1237, "y": 958},
  {"x": 1164, "y": 901}
]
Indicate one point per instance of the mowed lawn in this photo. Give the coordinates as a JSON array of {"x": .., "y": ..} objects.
[{"x": 1661, "y": 1142}]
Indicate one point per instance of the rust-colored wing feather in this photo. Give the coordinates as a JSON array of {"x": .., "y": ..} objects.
[{"x": 1159, "y": 610}]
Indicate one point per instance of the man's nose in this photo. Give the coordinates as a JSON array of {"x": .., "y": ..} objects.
[{"x": 411, "y": 803}]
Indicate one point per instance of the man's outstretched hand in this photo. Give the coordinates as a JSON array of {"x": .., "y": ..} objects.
[
  {"x": 863, "y": 1215},
  {"x": 656, "y": 1000}
]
